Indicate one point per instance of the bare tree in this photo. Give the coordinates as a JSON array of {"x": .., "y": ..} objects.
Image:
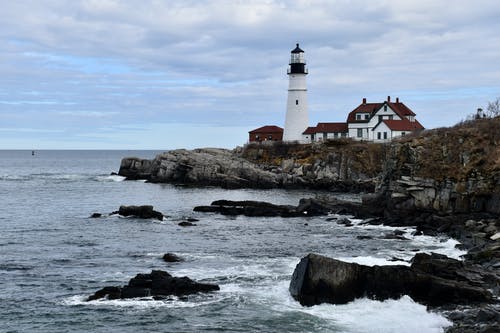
[{"x": 493, "y": 108}]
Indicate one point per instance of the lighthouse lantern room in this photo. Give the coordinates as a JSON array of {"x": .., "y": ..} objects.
[{"x": 297, "y": 118}]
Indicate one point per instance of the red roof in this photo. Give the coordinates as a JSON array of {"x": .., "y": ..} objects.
[
  {"x": 327, "y": 128},
  {"x": 267, "y": 129},
  {"x": 399, "y": 108},
  {"x": 403, "y": 125},
  {"x": 310, "y": 130},
  {"x": 332, "y": 127}
]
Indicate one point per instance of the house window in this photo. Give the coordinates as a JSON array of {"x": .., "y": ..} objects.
[
  {"x": 403, "y": 133},
  {"x": 335, "y": 135},
  {"x": 358, "y": 117},
  {"x": 269, "y": 137},
  {"x": 380, "y": 118},
  {"x": 391, "y": 117},
  {"x": 343, "y": 135},
  {"x": 385, "y": 107},
  {"x": 360, "y": 132},
  {"x": 325, "y": 135},
  {"x": 385, "y": 135},
  {"x": 296, "y": 102},
  {"x": 379, "y": 136},
  {"x": 367, "y": 116},
  {"x": 312, "y": 137}
]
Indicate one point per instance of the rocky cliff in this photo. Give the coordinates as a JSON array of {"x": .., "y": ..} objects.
[
  {"x": 202, "y": 167},
  {"x": 449, "y": 170},
  {"x": 343, "y": 166}
]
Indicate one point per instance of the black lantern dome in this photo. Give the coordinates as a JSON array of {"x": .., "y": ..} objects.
[{"x": 297, "y": 61}]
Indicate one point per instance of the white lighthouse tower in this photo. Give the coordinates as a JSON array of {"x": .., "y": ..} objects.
[{"x": 297, "y": 119}]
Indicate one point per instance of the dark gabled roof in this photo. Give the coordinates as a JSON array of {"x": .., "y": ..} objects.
[
  {"x": 370, "y": 108},
  {"x": 327, "y": 128},
  {"x": 399, "y": 108},
  {"x": 402, "y": 125},
  {"x": 332, "y": 127},
  {"x": 310, "y": 130},
  {"x": 297, "y": 49},
  {"x": 267, "y": 129}
]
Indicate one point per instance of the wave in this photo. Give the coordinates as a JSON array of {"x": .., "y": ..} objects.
[
  {"x": 192, "y": 301},
  {"x": 110, "y": 178},
  {"x": 62, "y": 177}
]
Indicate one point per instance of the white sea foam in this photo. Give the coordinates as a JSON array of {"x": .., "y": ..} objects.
[
  {"x": 442, "y": 245},
  {"x": 427, "y": 244},
  {"x": 110, "y": 178},
  {"x": 372, "y": 261},
  {"x": 362, "y": 315},
  {"x": 145, "y": 303}
]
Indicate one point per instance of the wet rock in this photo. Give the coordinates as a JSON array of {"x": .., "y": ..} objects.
[
  {"x": 306, "y": 207},
  {"x": 318, "y": 279},
  {"x": 364, "y": 237},
  {"x": 171, "y": 257},
  {"x": 393, "y": 235},
  {"x": 156, "y": 284},
  {"x": 95, "y": 215},
  {"x": 186, "y": 224},
  {"x": 143, "y": 212}
]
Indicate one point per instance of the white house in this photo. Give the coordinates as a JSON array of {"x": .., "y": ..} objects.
[{"x": 381, "y": 122}]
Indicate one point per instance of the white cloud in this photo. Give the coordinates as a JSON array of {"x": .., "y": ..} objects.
[{"x": 223, "y": 62}]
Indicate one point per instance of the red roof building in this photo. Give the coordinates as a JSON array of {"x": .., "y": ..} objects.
[
  {"x": 381, "y": 122},
  {"x": 325, "y": 131},
  {"x": 378, "y": 122},
  {"x": 266, "y": 133}
]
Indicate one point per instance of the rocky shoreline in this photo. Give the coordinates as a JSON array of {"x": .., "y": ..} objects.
[
  {"x": 229, "y": 169},
  {"x": 445, "y": 181}
]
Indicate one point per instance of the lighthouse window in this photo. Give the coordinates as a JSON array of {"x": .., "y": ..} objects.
[{"x": 296, "y": 102}]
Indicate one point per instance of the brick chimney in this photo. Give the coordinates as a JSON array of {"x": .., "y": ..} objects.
[
  {"x": 364, "y": 101},
  {"x": 397, "y": 99},
  {"x": 388, "y": 99}
]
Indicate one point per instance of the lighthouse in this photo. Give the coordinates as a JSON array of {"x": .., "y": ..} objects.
[{"x": 297, "y": 119}]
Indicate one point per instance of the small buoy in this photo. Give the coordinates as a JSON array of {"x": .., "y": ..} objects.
[{"x": 32, "y": 153}]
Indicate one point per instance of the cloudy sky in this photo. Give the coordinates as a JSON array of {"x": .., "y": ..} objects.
[{"x": 151, "y": 74}]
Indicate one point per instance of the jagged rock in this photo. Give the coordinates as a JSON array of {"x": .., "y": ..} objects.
[
  {"x": 318, "y": 279},
  {"x": 143, "y": 212},
  {"x": 157, "y": 284},
  {"x": 217, "y": 167},
  {"x": 306, "y": 207}
]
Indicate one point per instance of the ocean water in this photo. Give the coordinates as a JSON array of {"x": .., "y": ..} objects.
[{"x": 53, "y": 256}]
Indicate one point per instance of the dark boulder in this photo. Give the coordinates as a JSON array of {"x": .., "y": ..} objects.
[
  {"x": 143, "y": 212},
  {"x": 171, "y": 257},
  {"x": 306, "y": 207},
  {"x": 318, "y": 279},
  {"x": 186, "y": 224},
  {"x": 156, "y": 284},
  {"x": 95, "y": 215}
]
